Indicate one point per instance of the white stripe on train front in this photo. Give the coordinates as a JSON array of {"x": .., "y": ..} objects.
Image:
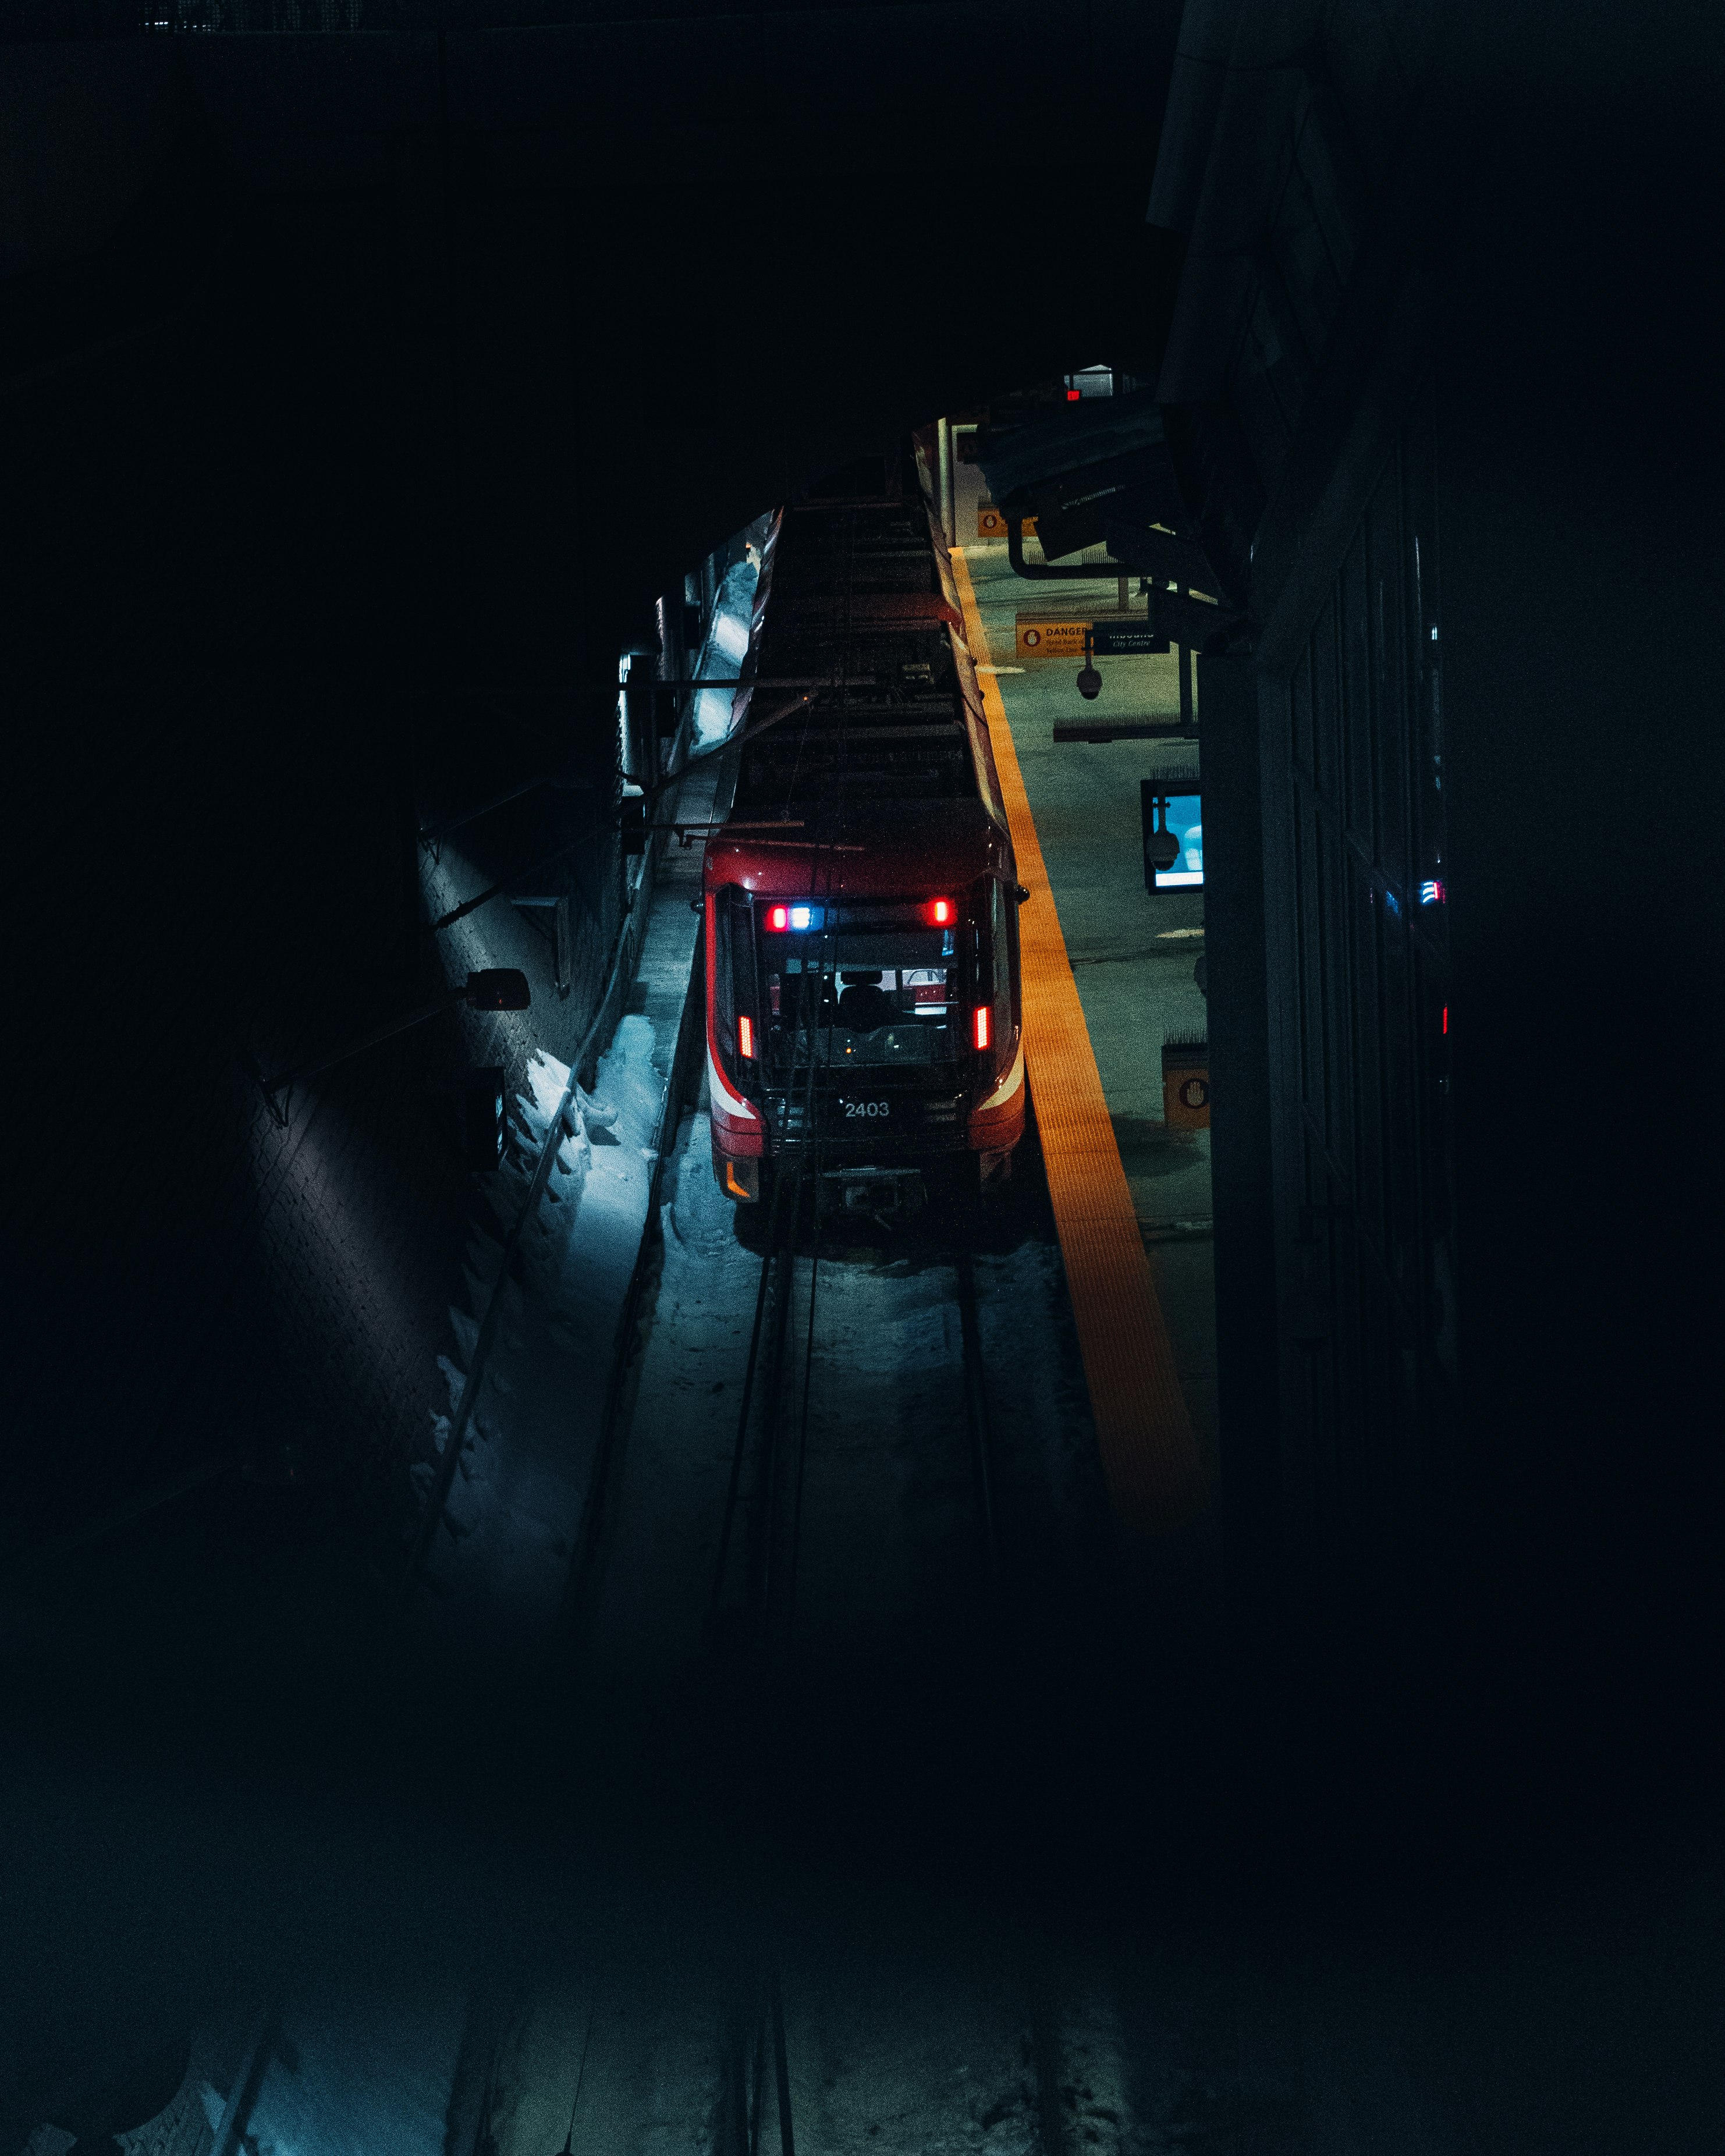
[
  {"x": 1009, "y": 1085},
  {"x": 735, "y": 1106}
]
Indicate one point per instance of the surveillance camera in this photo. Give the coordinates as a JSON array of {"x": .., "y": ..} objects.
[{"x": 1089, "y": 685}]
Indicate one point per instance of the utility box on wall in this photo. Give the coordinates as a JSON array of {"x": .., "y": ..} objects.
[{"x": 1186, "y": 1085}]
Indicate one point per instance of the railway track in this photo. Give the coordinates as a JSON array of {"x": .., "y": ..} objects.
[
  {"x": 751, "y": 1613},
  {"x": 802, "y": 1454}
]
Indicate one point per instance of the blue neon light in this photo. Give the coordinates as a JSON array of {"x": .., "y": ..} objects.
[{"x": 1431, "y": 893}]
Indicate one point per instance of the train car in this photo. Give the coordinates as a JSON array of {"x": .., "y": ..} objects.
[{"x": 862, "y": 898}]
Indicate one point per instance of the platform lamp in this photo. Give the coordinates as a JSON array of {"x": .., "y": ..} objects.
[
  {"x": 492, "y": 988},
  {"x": 1089, "y": 682},
  {"x": 1162, "y": 848}
]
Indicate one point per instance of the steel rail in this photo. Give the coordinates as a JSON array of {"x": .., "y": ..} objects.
[
  {"x": 1044, "y": 2035},
  {"x": 749, "y": 2031},
  {"x": 776, "y": 1260},
  {"x": 976, "y": 1407}
]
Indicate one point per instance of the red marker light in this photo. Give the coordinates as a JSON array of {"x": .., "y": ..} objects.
[
  {"x": 941, "y": 911},
  {"x": 778, "y": 916},
  {"x": 746, "y": 1037},
  {"x": 981, "y": 1025},
  {"x": 1446, "y": 1018},
  {"x": 1073, "y": 395}
]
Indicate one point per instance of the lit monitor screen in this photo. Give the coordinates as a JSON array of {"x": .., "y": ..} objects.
[{"x": 1183, "y": 816}]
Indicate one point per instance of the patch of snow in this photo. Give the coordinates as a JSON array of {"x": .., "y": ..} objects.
[
  {"x": 550, "y": 1080},
  {"x": 368, "y": 2075}
]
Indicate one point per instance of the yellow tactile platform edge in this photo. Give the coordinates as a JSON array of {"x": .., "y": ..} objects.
[{"x": 1144, "y": 1434}]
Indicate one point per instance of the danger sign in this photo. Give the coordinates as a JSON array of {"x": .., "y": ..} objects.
[{"x": 1039, "y": 637}]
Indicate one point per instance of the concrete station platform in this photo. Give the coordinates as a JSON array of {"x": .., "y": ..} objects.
[{"x": 1132, "y": 954}]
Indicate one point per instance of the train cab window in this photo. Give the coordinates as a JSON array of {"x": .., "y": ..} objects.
[
  {"x": 862, "y": 997},
  {"x": 1003, "y": 949},
  {"x": 734, "y": 989}
]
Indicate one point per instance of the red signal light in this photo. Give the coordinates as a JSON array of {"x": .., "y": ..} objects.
[
  {"x": 980, "y": 1025},
  {"x": 1073, "y": 395},
  {"x": 746, "y": 1037},
  {"x": 778, "y": 916},
  {"x": 942, "y": 910}
]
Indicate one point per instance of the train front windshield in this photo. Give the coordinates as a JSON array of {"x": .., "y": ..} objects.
[
  {"x": 841, "y": 991},
  {"x": 860, "y": 998}
]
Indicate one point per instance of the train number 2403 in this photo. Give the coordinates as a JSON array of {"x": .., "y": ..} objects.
[{"x": 854, "y": 1109}]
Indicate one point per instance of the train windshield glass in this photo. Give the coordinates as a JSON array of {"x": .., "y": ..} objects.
[{"x": 860, "y": 998}]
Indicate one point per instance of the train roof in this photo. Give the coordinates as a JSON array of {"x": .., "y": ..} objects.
[
  {"x": 912, "y": 848},
  {"x": 881, "y": 773}
]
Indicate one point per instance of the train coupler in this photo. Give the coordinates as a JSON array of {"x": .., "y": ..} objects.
[{"x": 882, "y": 1193}]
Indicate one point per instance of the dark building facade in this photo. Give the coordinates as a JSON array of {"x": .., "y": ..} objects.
[{"x": 1402, "y": 386}]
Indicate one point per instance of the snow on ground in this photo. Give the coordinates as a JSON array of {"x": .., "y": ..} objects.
[
  {"x": 890, "y": 1560},
  {"x": 890, "y": 1542},
  {"x": 502, "y": 1557},
  {"x": 359, "y": 2077},
  {"x": 348, "y": 2073},
  {"x": 921, "y": 2042},
  {"x": 682, "y": 1428}
]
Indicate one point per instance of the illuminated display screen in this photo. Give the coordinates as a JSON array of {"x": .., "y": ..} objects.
[{"x": 1183, "y": 815}]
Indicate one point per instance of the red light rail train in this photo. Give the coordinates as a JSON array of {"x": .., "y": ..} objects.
[{"x": 862, "y": 898}]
